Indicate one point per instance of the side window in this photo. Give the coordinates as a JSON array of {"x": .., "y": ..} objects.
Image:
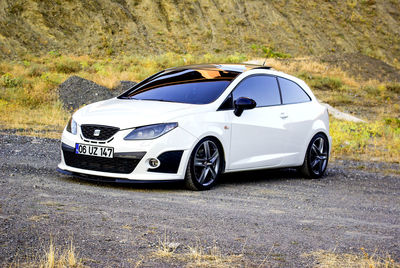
[
  {"x": 227, "y": 104},
  {"x": 292, "y": 92},
  {"x": 261, "y": 88}
]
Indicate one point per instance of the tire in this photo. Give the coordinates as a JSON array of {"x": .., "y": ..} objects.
[
  {"x": 317, "y": 156},
  {"x": 205, "y": 165}
]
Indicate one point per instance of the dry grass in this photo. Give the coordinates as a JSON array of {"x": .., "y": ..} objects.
[
  {"x": 325, "y": 259},
  {"x": 200, "y": 257},
  {"x": 196, "y": 256},
  {"x": 29, "y": 104},
  {"x": 53, "y": 258},
  {"x": 38, "y": 218},
  {"x": 309, "y": 65},
  {"x": 47, "y": 120}
]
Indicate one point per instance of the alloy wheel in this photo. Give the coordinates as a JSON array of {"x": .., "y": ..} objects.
[
  {"x": 206, "y": 163},
  {"x": 318, "y": 156}
]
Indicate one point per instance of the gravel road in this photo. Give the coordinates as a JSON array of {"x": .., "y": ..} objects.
[{"x": 272, "y": 218}]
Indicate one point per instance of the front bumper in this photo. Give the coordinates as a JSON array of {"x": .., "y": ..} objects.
[
  {"x": 131, "y": 158},
  {"x": 108, "y": 179}
]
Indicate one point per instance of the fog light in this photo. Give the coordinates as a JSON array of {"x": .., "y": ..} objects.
[{"x": 154, "y": 163}]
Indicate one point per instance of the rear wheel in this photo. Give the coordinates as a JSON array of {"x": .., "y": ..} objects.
[
  {"x": 204, "y": 165},
  {"x": 317, "y": 156}
]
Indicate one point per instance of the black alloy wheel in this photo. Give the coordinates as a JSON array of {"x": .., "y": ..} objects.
[{"x": 317, "y": 156}]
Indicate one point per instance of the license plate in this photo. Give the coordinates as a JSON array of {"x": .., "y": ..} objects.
[{"x": 100, "y": 151}]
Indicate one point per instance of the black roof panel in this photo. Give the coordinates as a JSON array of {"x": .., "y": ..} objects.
[{"x": 238, "y": 68}]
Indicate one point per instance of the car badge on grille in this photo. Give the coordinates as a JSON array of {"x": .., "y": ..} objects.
[{"x": 96, "y": 132}]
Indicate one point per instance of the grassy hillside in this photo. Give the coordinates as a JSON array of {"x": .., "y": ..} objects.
[{"x": 111, "y": 27}]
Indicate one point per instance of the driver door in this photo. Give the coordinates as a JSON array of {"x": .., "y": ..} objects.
[{"x": 258, "y": 136}]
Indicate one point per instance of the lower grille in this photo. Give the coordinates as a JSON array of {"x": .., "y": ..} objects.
[{"x": 113, "y": 165}]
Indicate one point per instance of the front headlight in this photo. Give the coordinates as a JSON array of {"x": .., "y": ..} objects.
[
  {"x": 150, "y": 132},
  {"x": 72, "y": 126}
]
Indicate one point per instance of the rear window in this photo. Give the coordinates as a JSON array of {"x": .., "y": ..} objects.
[
  {"x": 183, "y": 86},
  {"x": 292, "y": 92}
]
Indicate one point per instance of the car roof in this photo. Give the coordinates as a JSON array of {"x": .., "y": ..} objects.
[{"x": 236, "y": 68}]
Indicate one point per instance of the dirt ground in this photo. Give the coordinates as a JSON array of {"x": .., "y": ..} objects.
[{"x": 270, "y": 217}]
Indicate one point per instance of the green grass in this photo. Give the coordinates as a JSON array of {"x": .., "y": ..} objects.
[{"x": 379, "y": 140}]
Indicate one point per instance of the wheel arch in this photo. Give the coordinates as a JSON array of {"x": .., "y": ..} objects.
[
  {"x": 322, "y": 132},
  {"x": 319, "y": 126},
  {"x": 328, "y": 138}
]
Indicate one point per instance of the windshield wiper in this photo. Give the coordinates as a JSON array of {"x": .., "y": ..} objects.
[
  {"x": 156, "y": 100},
  {"x": 131, "y": 98}
]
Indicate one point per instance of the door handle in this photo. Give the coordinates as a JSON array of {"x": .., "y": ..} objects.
[{"x": 284, "y": 115}]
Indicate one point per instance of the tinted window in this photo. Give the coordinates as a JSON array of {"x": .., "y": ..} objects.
[
  {"x": 261, "y": 88},
  {"x": 183, "y": 85},
  {"x": 292, "y": 92}
]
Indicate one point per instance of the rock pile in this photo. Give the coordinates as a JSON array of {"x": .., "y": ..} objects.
[{"x": 77, "y": 91}]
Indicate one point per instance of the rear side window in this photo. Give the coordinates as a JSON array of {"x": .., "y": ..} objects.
[
  {"x": 261, "y": 88},
  {"x": 292, "y": 92}
]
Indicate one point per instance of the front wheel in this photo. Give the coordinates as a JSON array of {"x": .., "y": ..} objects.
[
  {"x": 204, "y": 165},
  {"x": 317, "y": 156}
]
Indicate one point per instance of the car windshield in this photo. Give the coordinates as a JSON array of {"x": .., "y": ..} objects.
[{"x": 194, "y": 86}]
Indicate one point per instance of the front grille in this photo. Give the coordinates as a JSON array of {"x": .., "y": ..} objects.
[
  {"x": 106, "y": 132},
  {"x": 113, "y": 165}
]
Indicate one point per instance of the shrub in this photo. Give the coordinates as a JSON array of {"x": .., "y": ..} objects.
[
  {"x": 395, "y": 88},
  {"x": 393, "y": 122},
  {"x": 341, "y": 100},
  {"x": 326, "y": 83},
  {"x": 39, "y": 93},
  {"x": 269, "y": 52},
  {"x": 372, "y": 90},
  {"x": 8, "y": 81},
  {"x": 68, "y": 66},
  {"x": 236, "y": 58},
  {"x": 36, "y": 70},
  {"x": 54, "y": 53}
]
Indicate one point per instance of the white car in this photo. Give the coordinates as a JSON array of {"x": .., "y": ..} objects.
[{"x": 195, "y": 122}]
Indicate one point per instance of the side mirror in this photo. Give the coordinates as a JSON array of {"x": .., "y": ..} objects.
[{"x": 242, "y": 104}]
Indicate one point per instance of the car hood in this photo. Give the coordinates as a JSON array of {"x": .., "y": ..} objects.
[{"x": 128, "y": 113}]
